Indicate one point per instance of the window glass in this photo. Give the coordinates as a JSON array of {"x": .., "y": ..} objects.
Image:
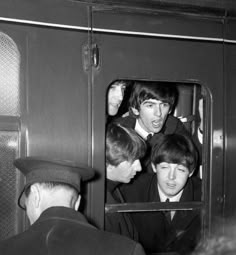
[{"x": 9, "y": 76}]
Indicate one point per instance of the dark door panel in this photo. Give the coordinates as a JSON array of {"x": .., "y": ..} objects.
[{"x": 55, "y": 106}]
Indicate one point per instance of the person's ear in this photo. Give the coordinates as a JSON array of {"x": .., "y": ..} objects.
[
  {"x": 77, "y": 203},
  {"x": 36, "y": 195},
  {"x": 170, "y": 109},
  {"x": 154, "y": 168},
  {"x": 135, "y": 111}
]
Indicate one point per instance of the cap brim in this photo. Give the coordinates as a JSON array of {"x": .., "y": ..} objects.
[{"x": 27, "y": 164}]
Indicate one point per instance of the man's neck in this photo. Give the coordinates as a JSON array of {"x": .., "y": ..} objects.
[
  {"x": 140, "y": 130},
  {"x": 163, "y": 196}
]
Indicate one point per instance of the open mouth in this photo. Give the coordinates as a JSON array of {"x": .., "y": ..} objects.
[
  {"x": 157, "y": 124},
  {"x": 132, "y": 176},
  {"x": 171, "y": 185}
]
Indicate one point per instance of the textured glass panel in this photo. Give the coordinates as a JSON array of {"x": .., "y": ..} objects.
[
  {"x": 9, "y": 183},
  {"x": 9, "y": 76}
]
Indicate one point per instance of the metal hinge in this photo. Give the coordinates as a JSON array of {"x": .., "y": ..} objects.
[{"x": 90, "y": 57}]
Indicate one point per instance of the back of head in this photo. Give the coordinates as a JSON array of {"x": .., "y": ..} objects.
[
  {"x": 144, "y": 90},
  {"x": 174, "y": 148},
  {"x": 55, "y": 172},
  {"x": 55, "y": 194},
  {"x": 123, "y": 144}
]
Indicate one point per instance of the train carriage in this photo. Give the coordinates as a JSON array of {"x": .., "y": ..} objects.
[{"x": 58, "y": 59}]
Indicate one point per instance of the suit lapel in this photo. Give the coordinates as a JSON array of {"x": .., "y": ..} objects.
[{"x": 182, "y": 219}]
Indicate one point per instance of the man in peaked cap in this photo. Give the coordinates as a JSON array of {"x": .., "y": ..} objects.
[{"x": 51, "y": 197}]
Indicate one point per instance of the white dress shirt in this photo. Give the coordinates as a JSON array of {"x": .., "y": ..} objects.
[
  {"x": 175, "y": 198},
  {"x": 143, "y": 133}
]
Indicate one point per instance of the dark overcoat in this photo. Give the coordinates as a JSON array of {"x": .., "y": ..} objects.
[
  {"x": 172, "y": 125},
  {"x": 63, "y": 231},
  {"x": 156, "y": 233},
  {"x": 120, "y": 223}
]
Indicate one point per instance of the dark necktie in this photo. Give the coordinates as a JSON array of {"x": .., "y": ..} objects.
[
  {"x": 149, "y": 137},
  {"x": 168, "y": 213},
  {"x": 146, "y": 161}
]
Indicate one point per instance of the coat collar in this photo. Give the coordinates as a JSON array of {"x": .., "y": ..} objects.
[
  {"x": 187, "y": 196},
  {"x": 62, "y": 213}
]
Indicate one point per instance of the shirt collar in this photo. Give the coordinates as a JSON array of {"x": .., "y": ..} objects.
[
  {"x": 143, "y": 133},
  {"x": 163, "y": 197}
]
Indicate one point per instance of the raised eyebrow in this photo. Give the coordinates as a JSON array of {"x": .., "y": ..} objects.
[
  {"x": 112, "y": 86},
  {"x": 149, "y": 102},
  {"x": 165, "y": 103},
  {"x": 164, "y": 163},
  {"x": 182, "y": 166}
]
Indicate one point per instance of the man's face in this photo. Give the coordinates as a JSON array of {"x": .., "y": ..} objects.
[
  {"x": 171, "y": 178},
  {"x": 115, "y": 97},
  {"x": 125, "y": 171},
  {"x": 152, "y": 115}
]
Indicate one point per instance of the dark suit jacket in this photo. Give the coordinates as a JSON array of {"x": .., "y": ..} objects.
[
  {"x": 156, "y": 233},
  {"x": 172, "y": 125},
  {"x": 63, "y": 231},
  {"x": 120, "y": 223}
]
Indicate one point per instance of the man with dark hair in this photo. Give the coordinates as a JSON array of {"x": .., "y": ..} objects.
[
  {"x": 173, "y": 159},
  {"x": 124, "y": 148},
  {"x": 150, "y": 105},
  {"x": 150, "y": 108},
  {"x": 51, "y": 197},
  {"x": 115, "y": 97}
]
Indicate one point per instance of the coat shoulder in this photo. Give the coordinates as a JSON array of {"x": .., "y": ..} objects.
[
  {"x": 138, "y": 189},
  {"x": 127, "y": 121}
]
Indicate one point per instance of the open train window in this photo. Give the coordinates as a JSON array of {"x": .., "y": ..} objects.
[{"x": 171, "y": 170}]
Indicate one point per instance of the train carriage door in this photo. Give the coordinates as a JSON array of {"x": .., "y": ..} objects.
[
  {"x": 54, "y": 118},
  {"x": 162, "y": 46}
]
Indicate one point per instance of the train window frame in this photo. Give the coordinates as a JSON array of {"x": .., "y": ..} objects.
[{"x": 202, "y": 205}]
